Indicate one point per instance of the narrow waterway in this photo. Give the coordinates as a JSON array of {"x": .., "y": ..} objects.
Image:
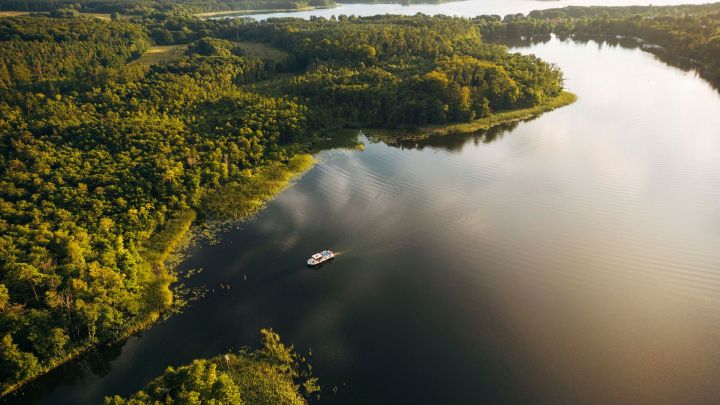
[{"x": 573, "y": 258}]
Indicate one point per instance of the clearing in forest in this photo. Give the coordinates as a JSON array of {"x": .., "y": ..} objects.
[
  {"x": 13, "y": 13},
  {"x": 102, "y": 16},
  {"x": 261, "y": 51},
  {"x": 158, "y": 54}
]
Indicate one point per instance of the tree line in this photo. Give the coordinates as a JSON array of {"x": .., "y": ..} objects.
[
  {"x": 141, "y": 6},
  {"x": 98, "y": 157},
  {"x": 690, "y": 32},
  {"x": 400, "y": 71},
  {"x": 41, "y": 49},
  {"x": 89, "y": 174},
  {"x": 103, "y": 161}
]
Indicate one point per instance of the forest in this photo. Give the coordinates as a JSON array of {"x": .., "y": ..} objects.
[
  {"x": 398, "y": 71},
  {"x": 272, "y": 374},
  {"x": 107, "y": 163},
  {"x": 145, "y": 6},
  {"x": 688, "y": 32}
]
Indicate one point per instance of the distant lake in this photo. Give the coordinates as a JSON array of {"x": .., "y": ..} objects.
[
  {"x": 573, "y": 258},
  {"x": 469, "y": 8}
]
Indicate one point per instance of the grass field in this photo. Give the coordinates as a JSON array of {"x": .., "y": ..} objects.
[
  {"x": 102, "y": 16},
  {"x": 261, "y": 51},
  {"x": 158, "y": 54},
  {"x": 13, "y": 13}
]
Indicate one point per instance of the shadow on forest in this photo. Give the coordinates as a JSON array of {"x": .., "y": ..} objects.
[{"x": 98, "y": 361}]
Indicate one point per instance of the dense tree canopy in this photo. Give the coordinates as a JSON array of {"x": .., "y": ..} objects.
[
  {"x": 88, "y": 176},
  {"x": 104, "y": 163},
  {"x": 141, "y": 6},
  {"x": 402, "y": 71},
  {"x": 39, "y": 49},
  {"x": 689, "y": 32}
]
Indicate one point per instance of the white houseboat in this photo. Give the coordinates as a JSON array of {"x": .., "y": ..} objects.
[{"x": 320, "y": 258}]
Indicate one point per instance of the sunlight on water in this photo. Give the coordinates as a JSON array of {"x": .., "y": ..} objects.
[
  {"x": 470, "y": 8},
  {"x": 569, "y": 259}
]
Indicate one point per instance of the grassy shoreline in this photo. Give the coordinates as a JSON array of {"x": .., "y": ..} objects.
[
  {"x": 501, "y": 117},
  {"x": 241, "y": 200}
]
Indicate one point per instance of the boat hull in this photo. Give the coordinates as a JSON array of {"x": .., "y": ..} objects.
[{"x": 319, "y": 263}]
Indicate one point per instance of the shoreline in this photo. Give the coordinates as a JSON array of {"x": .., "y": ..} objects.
[
  {"x": 261, "y": 186},
  {"x": 240, "y": 13},
  {"x": 138, "y": 327},
  {"x": 502, "y": 117},
  {"x": 158, "y": 250},
  {"x": 668, "y": 57}
]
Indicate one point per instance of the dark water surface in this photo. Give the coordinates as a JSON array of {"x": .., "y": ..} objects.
[{"x": 574, "y": 258}]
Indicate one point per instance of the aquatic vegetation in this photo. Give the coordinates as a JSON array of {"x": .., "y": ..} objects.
[
  {"x": 272, "y": 374},
  {"x": 243, "y": 198},
  {"x": 106, "y": 163}
]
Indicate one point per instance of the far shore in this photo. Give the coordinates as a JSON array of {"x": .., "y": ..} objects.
[{"x": 230, "y": 13}]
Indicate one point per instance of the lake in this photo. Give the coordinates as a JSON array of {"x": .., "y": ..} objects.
[
  {"x": 572, "y": 258},
  {"x": 470, "y": 8}
]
